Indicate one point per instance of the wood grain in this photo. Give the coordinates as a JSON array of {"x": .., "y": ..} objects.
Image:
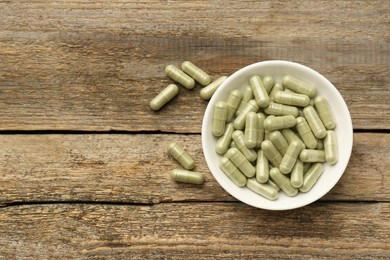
[{"x": 95, "y": 65}]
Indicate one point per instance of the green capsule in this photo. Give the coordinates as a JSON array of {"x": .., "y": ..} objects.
[
  {"x": 268, "y": 82},
  {"x": 315, "y": 122},
  {"x": 196, "y": 73},
  {"x": 259, "y": 91},
  {"x": 320, "y": 144},
  {"x": 239, "y": 160},
  {"x": 238, "y": 138},
  {"x": 181, "y": 155},
  {"x": 324, "y": 112},
  {"x": 251, "y": 130},
  {"x": 247, "y": 95},
  {"x": 164, "y": 97},
  {"x": 289, "y": 90},
  {"x": 290, "y": 157},
  {"x": 207, "y": 92},
  {"x": 279, "y": 122},
  {"x": 296, "y": 177},
  {"x": 292, "y": 99},
  {"x": 262, "y": 167},
  {"x": 261, "y": 130},
  {"x": 219, "y": 119},
  {"x": 277, "y": 87},
  {"x": 310, "y": 155},
  {"x": 283, "y": 182},
  {"x": 298, "y": 86},
  {"x": 289, "y": 135},
  {"x": 224, "y": 141},
  {"x": 179, "y": 76},
  {"x": 331, "y": 147},
  {"x": 233, "y": 102},
  {"x": 305, "y": 133},
  {"x": 311, "y": 177},
  {"x": 279, "y": 142},
  {"x": 263, "y": 189},
  {"x": 232, "y": 172},
  {"x": 306, "y": 167},
  {"x": 281, "y": 110},
  {"x": 273, "y": 184},
  {"x": 180, "y": 175},
  {"x": 271, "y": 153},
  {"x": 240, "y": 120},
  {"x": 233, "y": 145}
]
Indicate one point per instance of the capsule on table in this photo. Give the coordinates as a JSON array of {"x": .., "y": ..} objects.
[
  {"x": 219, "y": 118},
  {"x": 196, "y": 73},
  {"x": 164, "y": 97},
  {"x": 239, "y": 122},
  {"x": 262, "y": 189},
  {"x": 180, "y": 175},
  {"x": 247, "y": 95},
  {"x": 259, "y": 91},
  {"x": 305, "y": 133},
  {"x": 279, "y": 142},
  {"x": 233, "y": 101},
  {"x": 271, "y": 153},
  {"x": 238, "y": 138},
  {"x": 251, "y": 128},
  {"x": 179, "y": 76},
  {"x": 261, "y": 130},
  {"x": 315, "y": 123},
  {"x": 293, "y": 99},
  {"x": 181, "y": 155},
  {"x": 281, "y": 110},
  {"x": 324, "y": 112},
  {"x": 283, "y": 182},
  {"x": 311, "y": 177},
  {"x": 310, "y": 155},
  {"x": 242, "y": 163},
  {"x": 232, "y": 172},
  {"x": 207, "y": 92},
  {"x": 277, "y": 87},
  {"x": 279, "y": 122},
  {"x": 298, "y": 86},
  {"x": 224, "y": 141},
  {"x": 296, "y": 177},
  {"x": 291, "y": 156},
  {"x": 331, "y": 147},
  {"x": 262, "y": 167},
  {"x": 268, "y": 82}
]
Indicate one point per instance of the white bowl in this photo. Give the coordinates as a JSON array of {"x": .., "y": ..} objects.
[{"x": 332, "y": 173}]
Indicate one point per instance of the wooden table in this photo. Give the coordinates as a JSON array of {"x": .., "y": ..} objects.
[{"x": 84, "y": 171}]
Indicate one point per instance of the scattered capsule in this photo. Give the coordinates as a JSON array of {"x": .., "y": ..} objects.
[
  {"x": 164, "y": 97},
  {"x": 279, "y": 122},
  {"x": 239, "y": 122},
  {"x": 305, "y": 133},
  {"x": 180, "y": 175},
  {"x": 298, "y": 86},
  {"x": 311, "y": 177},
  {"x": 207, "y": 92},
  {"x": 232, "y": 172},
  {"x": 281, "y": 110},
  {"x": 261, "y": 130},
  {"x": 238, "y": 138},
  {"x": 283, "y": 182},
  {"x": 273, "y": 184},
  {"x": 277, "y": 87},
  {"x": 224, "y": 141},
  {"x": 233, "y": 102},
  {"x": 179, "y": 76},
  {"x": 296, "y": 177},
  {"x": 271, "y": 153},
  {"x": 251, "y": 130},
  {"x": 219, "y": 119},
  {"x": 259, "y": 91},
  {"x": 315, "y": 122},
  {"x": 181, "y": 155},
  {"x": 292, "y": 99},
  {"x": 310, "y": 155},
  {"x": 239, "y": 160},
  {"x": 196, "y": 73},
  {"x": 279, "y": 142},
  {"x": 263, "y": 189},
  {"x": 289, "y": 135},
  {"x": 247, "y": 95},
  {"x": 290, "y": 157},
  {"x": 262, "y": 167},
  {"x": 331, "y": 147},
  {"x": 268, "y": 82},
  {"x": 324, "y": 112}
]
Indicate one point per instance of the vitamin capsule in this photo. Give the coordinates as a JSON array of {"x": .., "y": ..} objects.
[
  {"x": 263, "y": 189},
  {"x": 238, "y": 138},
  {"x": 268, "y": 82},
  {"x": 273, "y": 184},
  {"x": 279, "y": 142},
  {"x": 283, "y": 182},
  {"x": 305, "y": 133},
  {"x": 292, "y": 99},
  {"x": 311, "y": 177},
  {"x": 180, "y": 175},
  {"x": 315, "y": 122},
  {"x": 290, "y": 157},
  {"x": 181, "y": 156},
  {"x": 290, "y": 135},
  {"x": 279, "y": 122},
  {"x": 219, "y": 119},
  {"x": 260, "y": 131},
  {"x": 239, "y": 160},
  {"x": 196, "y": 73},
  {"x": 309, "y": 155},
  {"x": 164, "y": 97},
  {"x": 251, "y": 128},
  {"x": 233, "y": 145},
  {"x": 259, "y": 91},
  {"x": 179, "y": 76},
  {"x": 271, "y": 153},
  {"x": 233, "y": 102},
  {"x": 232, "y": 172},
  {"x": 306, "y": 167},
  {"x": 330, "y": 145},
  {"x": 207, "y": 92},
  {"x": 296, "y": 177},
  {"x": 320, "y": 144},
  {"x": 298, "y": 86},
  {"x": 281, "y": 110},
  {"x": 277, "y": 87},
  {"x": 239, "y": 122},
  {"x": 224, "y": 141},
  {"x": 324, "y": 112},
  {"x": 262, "y": 167},
  {"x": 247, "y": 95}
]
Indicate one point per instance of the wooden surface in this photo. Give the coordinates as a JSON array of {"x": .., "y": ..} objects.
[{"x": 83, "y": 167}]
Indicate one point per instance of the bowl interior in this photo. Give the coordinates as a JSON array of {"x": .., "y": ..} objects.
[{"x": 343, "y": 129}]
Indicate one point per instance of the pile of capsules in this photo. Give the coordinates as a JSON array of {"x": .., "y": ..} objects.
[{"x": 275, "y": 136}]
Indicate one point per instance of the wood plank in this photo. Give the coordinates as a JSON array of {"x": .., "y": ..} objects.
[
  {"x": 95, "y": 65},
  {"x": 135, "y": 168},
  {"x": 195, "y": 230}
]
